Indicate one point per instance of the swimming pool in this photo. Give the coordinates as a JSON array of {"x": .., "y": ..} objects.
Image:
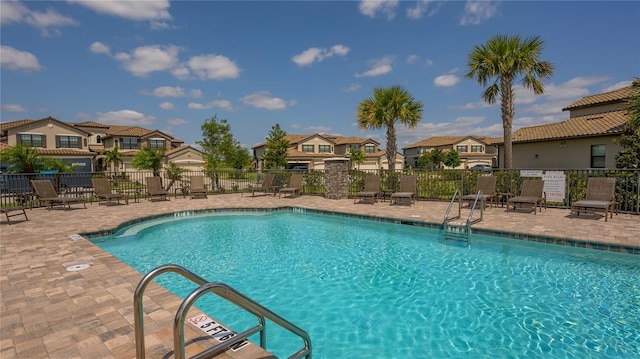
[{"x": 365, "y": 289}]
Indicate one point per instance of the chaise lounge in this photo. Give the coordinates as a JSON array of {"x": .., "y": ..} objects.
[
  {"x": 295, "y": 186},
  {"x": 487, "y": 187},
  {"x": 406, "y": 191},
  {"x": 103, "y": 191},
  {"x": 371, "y": 190},
  {"x": 531, "y": 195},
  {"x": 154, "y": 188},
  {"x": 265, "y": 186},
  {"x": 600, "y": 197},
  {"x": 197, "y": 187},
  {"x": 45, "y": 192}
]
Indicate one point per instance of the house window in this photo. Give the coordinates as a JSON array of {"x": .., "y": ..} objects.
[
  {"x": 460, "y": 149},
  {"x": 354, "y": 148},
  {"x": 598, "y": 156},
  {"x": 324, "y": 148},
  {"x": 98, "y": 139},
  {"x": 369, "y": 148},
  {"x": 307, "y": 148},
  {"x": 33, "y": 140},
  {"x": 477, "y": 148},
  {"x": 156, "y": 144},
  {"x": 68, "y": 142},
  {"x": 129, "y": 143}
]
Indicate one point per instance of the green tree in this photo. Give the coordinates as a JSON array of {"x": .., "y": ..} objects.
[
  {"x": 113, "y": 157},
  {"x": 356, "y": 157},
  {"x": 174, "y": 173},
  {"x": 275, "y": 155},
  {"x": 629, "y": 156},
  {"x": 433, "y": 158},
  {"x": 383, "y": 109},
  {"x": 239, "y": 157},
  {"x": 217, "y": 143},
  {"x": 148, "y": 159},
  {"x": 502, "y": 60},
  {"x": 22, "y": 159},
  {"x": 55, "y": 164},
  {"x": 452, "y": 159}
]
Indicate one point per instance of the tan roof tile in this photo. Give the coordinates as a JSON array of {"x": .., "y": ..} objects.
[
  {"x": 582, "y": 126},
  {"x": 438, "y": 141},
  {"x": 64, "y": 152},
  {"x": 7, "y": 125},
  {"x": 91, "y": 124},
  {"x": 618, "y": 95}
]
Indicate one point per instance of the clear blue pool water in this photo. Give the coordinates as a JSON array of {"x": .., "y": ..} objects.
[{"x": 365, "y": 289}]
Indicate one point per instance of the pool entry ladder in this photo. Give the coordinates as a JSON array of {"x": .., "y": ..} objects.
[
  {"x": 454, "y": 227},
  {"x": 222, "y": 290}
]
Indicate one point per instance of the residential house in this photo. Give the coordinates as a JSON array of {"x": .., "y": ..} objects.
[
  {"x": 82, "y": 144},
  {"x": 472, "y": 150},
  {"x": 585, "y": 140},
  {"x": 310, "y": 152}
]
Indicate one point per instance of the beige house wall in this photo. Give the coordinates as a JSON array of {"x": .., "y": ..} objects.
[
  {"x": 595, "y": 109},
  {"x": 188, "y": 159},
  {"x": 566, "y": 154},
  {"x": 50, "y": 129}
]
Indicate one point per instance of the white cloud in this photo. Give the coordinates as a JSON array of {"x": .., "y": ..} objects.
[
  {"x": 13, "y": 59},
  {"x": 181, "y": 72},
  {"x": 146, "y": 59},
  {"x": 12, "y": 107},
  {"x": 48, "y": 22},
  {"x": 168, "y": 91},
  {"x": 157, "y": 10},
  {"x": 421, "y": 7},
  {"x": 214, "y": 67},
  {"x": 446, "y": 80},
  {"x": 319, "y": 129},
  {"x": 177, "y": 122},
  {"x": 617, "y": 86},
  {"x": 195, "y": 93},
  {"x": 167, "y": 106},
  {"x": 126, "y": 118},
  {"x": 378, "y": 67},
  {"x": 353, "y": 87},
  {"x": 223, "y": 104},
  {"x": 412, "y": 58},
  {"x": 314, "y": 54},
  {"x": 100, "y": 48},
  {"x": 372, "y": 8},
  {"x": 264, "y": 100},
  {"x": 478, "y": 11}
]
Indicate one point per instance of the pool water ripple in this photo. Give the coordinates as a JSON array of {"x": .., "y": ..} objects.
[{"x": 364, "y": 289}]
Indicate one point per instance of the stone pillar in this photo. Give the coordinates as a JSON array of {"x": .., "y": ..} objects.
[{"x": 336, "y": 178}]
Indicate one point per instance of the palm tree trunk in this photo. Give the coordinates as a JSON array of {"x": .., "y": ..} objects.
[
  {"x": 391, "y": 146},
  {"x": 507, "y": 111}
]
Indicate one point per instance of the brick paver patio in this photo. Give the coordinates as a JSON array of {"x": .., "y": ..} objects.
[{"x": 49, "y": 312}]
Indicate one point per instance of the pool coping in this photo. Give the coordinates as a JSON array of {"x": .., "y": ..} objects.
[{"x": 570, "y": 242}]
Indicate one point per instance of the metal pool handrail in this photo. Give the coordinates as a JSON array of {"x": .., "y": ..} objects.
[{"x": 222, "y": 290}]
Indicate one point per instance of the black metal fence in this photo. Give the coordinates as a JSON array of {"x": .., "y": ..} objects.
[{"x": 432, "y": 184}]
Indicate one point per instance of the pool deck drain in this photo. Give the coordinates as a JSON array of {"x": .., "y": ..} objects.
[{"x": 47, "y": 311}]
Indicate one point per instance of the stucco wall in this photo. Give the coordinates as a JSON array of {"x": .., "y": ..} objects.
[{"x": 573, "y": 153}]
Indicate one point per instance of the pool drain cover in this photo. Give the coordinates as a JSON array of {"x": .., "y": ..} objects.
[{"x": 77, "y": 267}]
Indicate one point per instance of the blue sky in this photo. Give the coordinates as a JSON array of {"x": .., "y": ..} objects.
[{"x": 170, "y": 65}]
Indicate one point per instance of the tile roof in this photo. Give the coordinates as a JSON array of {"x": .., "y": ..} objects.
[
  {"x": 438, "y": 141},
  {"x": 133, "y": 131},
  {"x": 7, "y": 125},
  {"x": 91, "y": 124},
  {"x": 64, "y": 152},
  {"x": 619, "y": 95},
  {"x": 337, "y": 140},
  {"x": 607, "y": 123}
]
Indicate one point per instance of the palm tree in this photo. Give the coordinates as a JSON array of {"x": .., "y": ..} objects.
[
  {"x": 23, "y": 159},
  {"x": 112, "y": 157},
  {"x": 503, "y": 59},
  {"x": 387, "y": 106}
]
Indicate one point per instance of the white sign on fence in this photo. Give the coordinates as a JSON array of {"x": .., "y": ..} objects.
[
  {"x": 554, "y": 185},
  {"x": 530, "y": 173}
]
